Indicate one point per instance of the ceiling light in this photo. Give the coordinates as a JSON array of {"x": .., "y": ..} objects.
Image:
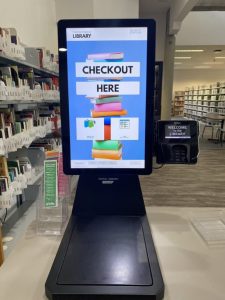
[
  {"x": 219, "y": 57},
  {"x": 214, "y": 63},
  {"x": 182, "y": 57},
  {"x": 178, "y": 63},
  {"x": 202, "y": 67},
  {"x": 189, "y": 50}
]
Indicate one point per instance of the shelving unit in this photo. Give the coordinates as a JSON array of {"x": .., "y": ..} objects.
[
  {"x": 178, "y": 104},
  {"x": 7, "y": 102},
  {"x": 25, "y": 98},
  {"x": 198, "y": 101},
  {"x": 9, "y": 61}
]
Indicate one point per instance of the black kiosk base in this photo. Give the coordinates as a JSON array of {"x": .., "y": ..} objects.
[{"x": 107, "y": 251}]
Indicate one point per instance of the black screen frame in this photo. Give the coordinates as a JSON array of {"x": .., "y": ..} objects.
[{"x": 64, "y": 99}]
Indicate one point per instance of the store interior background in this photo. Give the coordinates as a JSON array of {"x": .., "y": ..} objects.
[{"x": 180, "y": 24}]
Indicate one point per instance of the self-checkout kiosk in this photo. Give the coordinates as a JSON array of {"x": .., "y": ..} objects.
[{"x": 107, "y": 86}]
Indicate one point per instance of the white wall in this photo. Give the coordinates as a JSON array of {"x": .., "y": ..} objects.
[
  {"x": 74, "y": 9},
  {"x": 116, "y": 9},
  {"x": 202, "y": 28},
  {"x": 96, "y": 9},
  {"x": 35, "y": 21},
  {"x": 189, "y": 78},
  {"x": 89, "y": 9}
]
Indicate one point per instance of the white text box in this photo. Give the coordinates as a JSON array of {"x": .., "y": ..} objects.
[
  {"x": 107, "y": 69},
  {"x": 96, "y": 88}
]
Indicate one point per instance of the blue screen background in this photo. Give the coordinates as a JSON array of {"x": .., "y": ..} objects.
[{"x": 79, "y": 106}]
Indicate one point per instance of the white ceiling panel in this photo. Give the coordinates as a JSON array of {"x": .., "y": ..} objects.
[{"x": 205, "y": 60}]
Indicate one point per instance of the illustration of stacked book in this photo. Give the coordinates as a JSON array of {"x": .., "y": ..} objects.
[{"x": 107, "y": 106}]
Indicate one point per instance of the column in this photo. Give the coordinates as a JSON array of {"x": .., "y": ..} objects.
[
  {"x": 1, "y": 248},
  {"x": 168, "y": 69}
]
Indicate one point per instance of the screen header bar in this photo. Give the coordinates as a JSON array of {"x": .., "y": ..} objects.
[{"x": 107, "y": 34}]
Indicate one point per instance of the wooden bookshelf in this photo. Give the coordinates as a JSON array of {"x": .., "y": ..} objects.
[
  {"x": 178, "y": 103},
  {"x": 198, "y": 101}
]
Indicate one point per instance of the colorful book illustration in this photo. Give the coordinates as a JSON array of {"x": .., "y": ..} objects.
[
  {"x": 107, "y": 132},
  {"x": 107, "y": 121},
  {"x": 107, "y": 106},
  {"x": 102, "y": 96},
  {"x": 107, "y": 145},
  {"x": 106, "y": 100},
  {"x": 113, "y": 106},
  {"x": 107, "y": 154},
  {"x": 96, "y": 114}
]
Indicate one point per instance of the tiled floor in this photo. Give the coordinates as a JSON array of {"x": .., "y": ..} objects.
[{"x": 199, "y": 185}]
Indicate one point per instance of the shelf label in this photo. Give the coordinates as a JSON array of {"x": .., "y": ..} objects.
[{"x": 50, "y": 183}]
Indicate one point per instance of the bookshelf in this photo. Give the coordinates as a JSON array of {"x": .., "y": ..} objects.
[
  {"x": 29, "y": 112},
  {"x": 10, "y": 61},
  {"x": 198, "y": 101},
  {"x": 178, "y": 103}
]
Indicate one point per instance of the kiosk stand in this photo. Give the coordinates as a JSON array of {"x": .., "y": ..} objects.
[
  {"x": 107, "y": 251},
  {"x": 106, "y": 86}
]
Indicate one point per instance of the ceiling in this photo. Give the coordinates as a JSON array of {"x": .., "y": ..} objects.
[
  {"x": 206, "y": 60},
  {"x": 211, "y": 3},
  {"x": 147, "y": 7}
]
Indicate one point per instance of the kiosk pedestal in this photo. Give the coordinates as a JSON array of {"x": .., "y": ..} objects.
[{"x": 107, "y": 251}]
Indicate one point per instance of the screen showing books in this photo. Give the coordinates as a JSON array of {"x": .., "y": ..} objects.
[
  {"x": 107, "y": 69},
  {"x": 177, "y": 132}
]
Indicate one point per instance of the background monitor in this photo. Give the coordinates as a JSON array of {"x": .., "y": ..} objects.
[{"x": 106, "y": 87}]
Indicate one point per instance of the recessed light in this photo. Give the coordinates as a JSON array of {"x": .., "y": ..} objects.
[
  {"x": 62, "y": 49},
  {"x": 202, "y": 67},
  {"x": 178, "y": 63},
  {"x": 219, "y": 57},
  {"x": 213, "y": 63},
  {"x": 189, "y": 50},
  {"x": 182, "y": 57}
]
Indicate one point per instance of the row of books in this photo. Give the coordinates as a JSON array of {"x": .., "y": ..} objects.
[
  {"x": 10, "y": 43},
  {"x": 19, "y": 83},
  {"x": 18, "y": 95},
  {"x": 50, "y": 145},
  {"x": 11, "y": 46},
  {"x": 14, "y": 171},
  {"x": 14, "y": 121}
]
